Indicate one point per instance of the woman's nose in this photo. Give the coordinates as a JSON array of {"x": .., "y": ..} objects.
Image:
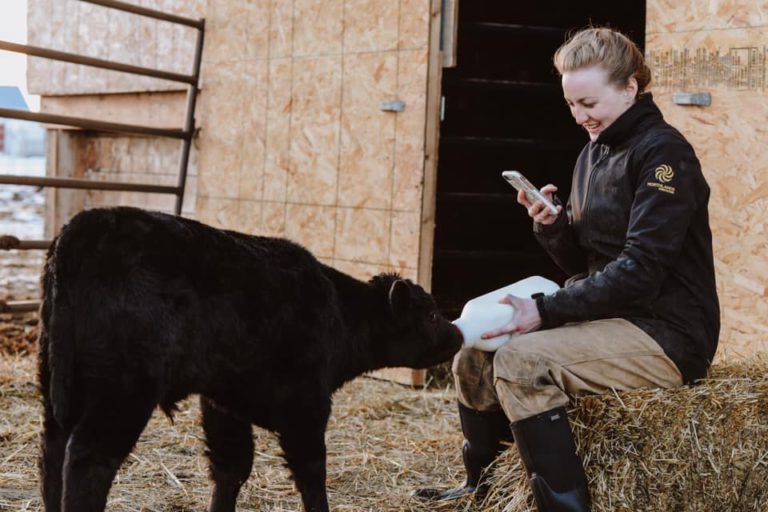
[{"x": 579, "y": 115}]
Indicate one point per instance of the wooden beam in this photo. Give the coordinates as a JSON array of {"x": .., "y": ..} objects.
[
  {"x": 449, "y": 32},
  {"x": 431, "y": 146}
]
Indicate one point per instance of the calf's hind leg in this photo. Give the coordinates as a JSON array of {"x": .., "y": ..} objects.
[
  {"x": 53, "y": 443},
  {"x": 230, "y": 452},
  {"x": 53, "y": 438},
  {"x": 101, "y": 439}
]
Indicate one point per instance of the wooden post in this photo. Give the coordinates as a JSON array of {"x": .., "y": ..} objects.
[
  {"x": 431, "y": 146},
  {"x": 63, "y": 160},
  {"x": 449, "y": 33}
]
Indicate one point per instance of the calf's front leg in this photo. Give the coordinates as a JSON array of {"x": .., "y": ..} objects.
[
  {"x": 230, "y": 452},
  {"x": 302, "y": 438}
]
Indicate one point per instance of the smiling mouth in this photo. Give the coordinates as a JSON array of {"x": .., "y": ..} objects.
[{"x": 591, "y": 127}]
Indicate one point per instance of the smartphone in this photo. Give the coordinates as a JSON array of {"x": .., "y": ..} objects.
[{"x": 519, "y": 181}]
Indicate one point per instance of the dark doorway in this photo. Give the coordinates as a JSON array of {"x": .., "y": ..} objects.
[{"x": 503, "y": 109}]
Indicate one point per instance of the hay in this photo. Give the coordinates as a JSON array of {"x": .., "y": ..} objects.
[
  {"x": 702, "y": 448},
  {"x": 18, "y": 333},
  {"x": 692, "y": 449}
]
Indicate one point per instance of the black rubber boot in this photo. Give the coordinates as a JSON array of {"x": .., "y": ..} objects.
[
  {"x": 484, "y": 433},
  {"x": 547, "y": 450}
]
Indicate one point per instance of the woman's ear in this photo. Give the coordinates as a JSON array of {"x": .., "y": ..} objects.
[{"x": 631, "y": 88}]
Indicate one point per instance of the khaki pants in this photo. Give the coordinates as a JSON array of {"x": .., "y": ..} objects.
[{"x": 538, "y": 371}]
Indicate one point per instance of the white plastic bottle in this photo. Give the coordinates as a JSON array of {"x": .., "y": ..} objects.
[{"x": 485, "y": 313}]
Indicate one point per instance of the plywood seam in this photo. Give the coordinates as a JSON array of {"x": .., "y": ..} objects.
[
  {"x": 393, "y": 166},
  {"x": 337, "y": 211},
  {"x": 316, "y": 205},
  {"x": 302, "y": 56},
  {"x": 714, "y": 29},
  {"x": 266, "y": 114},
  {"x": 240, "y": 71},
  {"x": 367, "y": 262},
  {"x": 290, "y": 116}
]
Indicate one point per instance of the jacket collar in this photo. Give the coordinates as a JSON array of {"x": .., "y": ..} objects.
[{"x": 628, "y": 123}]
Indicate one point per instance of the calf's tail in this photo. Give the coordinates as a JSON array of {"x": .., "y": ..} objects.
[{"x": 56, "y": 341}]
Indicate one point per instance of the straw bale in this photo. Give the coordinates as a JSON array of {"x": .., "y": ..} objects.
[{"x": 700, "y": 448}]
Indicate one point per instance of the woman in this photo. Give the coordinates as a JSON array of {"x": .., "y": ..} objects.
[{"x": 640, "y": 308}]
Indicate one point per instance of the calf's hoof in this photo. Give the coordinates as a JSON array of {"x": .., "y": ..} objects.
[{"x": 430, "y": 494}]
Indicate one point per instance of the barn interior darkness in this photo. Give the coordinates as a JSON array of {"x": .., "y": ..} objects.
[{"x": 503, "y": 109}]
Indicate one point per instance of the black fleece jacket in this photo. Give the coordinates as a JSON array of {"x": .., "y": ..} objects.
[{"x": 635, "y": 238}]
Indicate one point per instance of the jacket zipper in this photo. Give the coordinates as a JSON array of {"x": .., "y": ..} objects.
[{"x": 603, "y": 154}]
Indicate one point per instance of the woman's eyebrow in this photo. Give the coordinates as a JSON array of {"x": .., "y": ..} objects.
[{"x": 582, "y": 100}]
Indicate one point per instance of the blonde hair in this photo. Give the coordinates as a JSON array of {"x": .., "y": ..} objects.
[{"x": 611, "y": 50}]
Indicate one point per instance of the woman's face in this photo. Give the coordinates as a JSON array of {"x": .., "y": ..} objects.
[{"x": 594, "y": 102}]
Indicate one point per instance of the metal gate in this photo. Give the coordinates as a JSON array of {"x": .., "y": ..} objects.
[{"x": 185, "y": 134}]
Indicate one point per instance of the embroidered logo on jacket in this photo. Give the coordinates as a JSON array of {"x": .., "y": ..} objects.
[{"x": 664, "y": 174}]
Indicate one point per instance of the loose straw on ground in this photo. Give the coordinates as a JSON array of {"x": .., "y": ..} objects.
[{"x": 695, "y": 449}]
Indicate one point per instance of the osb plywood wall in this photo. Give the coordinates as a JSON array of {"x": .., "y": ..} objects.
[
  {"x": 293, "y": 141},
  {"x": 720, "y": 47}
]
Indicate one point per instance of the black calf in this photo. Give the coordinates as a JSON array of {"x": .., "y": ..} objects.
[{"x": 142, "y": 309}]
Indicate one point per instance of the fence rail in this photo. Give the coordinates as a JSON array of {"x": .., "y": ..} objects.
[
  {"x": 46, "y": 53},
  {"x": 85, "y": 184},
  {"x": 93, "y": 124},
  {"x": 149, "y": 13},
  {"x": 8, "y": 242},
  {"x": 19, "y": 306}
]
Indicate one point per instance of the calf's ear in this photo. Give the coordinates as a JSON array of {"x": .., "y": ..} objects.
[{"x": 399, "y": 298}]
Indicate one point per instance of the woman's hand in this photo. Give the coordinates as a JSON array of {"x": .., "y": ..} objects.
[
  {"x": 537, "y": 211},
  {"x": 525, "y": 319}
]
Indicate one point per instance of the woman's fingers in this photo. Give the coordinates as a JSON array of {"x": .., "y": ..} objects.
[
  {"x": 549, "y": 188},
  {"x": 541, "y": 214},
  {"x": 523, "y": 199},
  {"x": 545, "y": 215},
  {"x": 510, "y": 327},
  {"x": 536, "y": 209}
]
